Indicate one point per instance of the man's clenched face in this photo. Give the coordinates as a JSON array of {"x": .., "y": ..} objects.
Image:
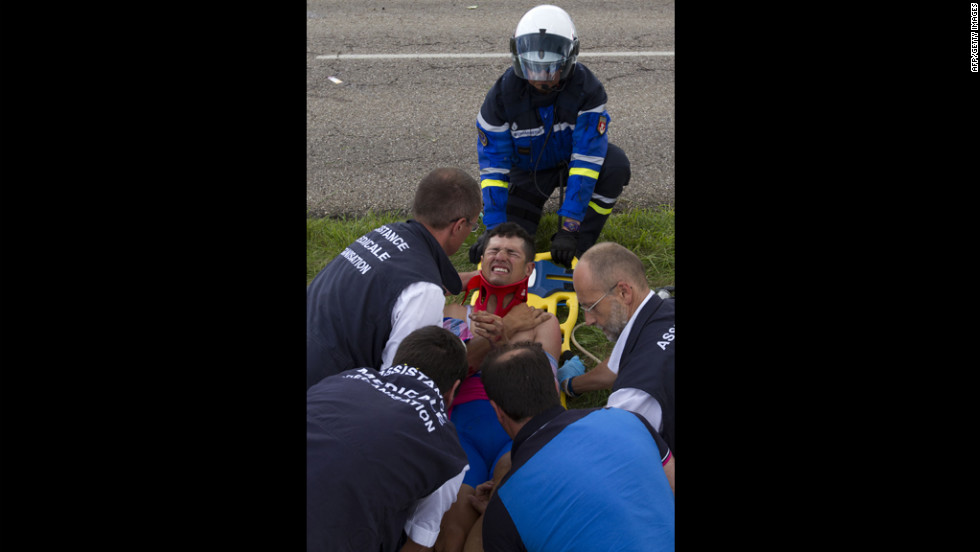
[{"x": 504, "y": 261}]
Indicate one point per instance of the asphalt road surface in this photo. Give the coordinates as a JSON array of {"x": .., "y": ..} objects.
[{"x": 394, "y": 87}]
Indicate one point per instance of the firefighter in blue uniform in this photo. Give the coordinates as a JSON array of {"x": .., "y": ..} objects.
[{"x": 543, "y": 122}]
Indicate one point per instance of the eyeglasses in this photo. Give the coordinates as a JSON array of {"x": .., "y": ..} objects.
[
  {"x": 593, "y": 305},
  {"x": 474, "y": 226}
]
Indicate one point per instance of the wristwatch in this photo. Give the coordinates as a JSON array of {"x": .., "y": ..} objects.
[{"x": 568, "y": 388}]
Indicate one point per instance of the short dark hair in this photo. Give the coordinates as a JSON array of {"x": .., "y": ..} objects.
[
  {"x": 446, "y": 195},
  {"x": 437, "y": 353},
  {"x": 518, "y": 378},
  {"x": 510, "y": 230}
]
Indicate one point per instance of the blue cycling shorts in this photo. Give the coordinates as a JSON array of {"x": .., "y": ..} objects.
[{"x": 482, "y": 437}]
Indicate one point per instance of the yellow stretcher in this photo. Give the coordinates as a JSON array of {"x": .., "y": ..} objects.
[{"x": 550, "y": 288}]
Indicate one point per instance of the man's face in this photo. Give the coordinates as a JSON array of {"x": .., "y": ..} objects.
[
  {"x": 609, "y": 313},
  {"x": 504, "y": 261}
]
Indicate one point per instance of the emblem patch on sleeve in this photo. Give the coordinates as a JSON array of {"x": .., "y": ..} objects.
[
  {"x": 483, "y": 137},
  {"x": 601, "y": 127}
]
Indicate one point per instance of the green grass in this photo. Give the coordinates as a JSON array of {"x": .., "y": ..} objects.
[{"x": 647, "y": 232}]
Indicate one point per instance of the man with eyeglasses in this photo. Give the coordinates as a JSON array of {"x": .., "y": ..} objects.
[
  {"x": 383, "y": 462},
  {"x": 610, "y": 280},
  {"x": 390, "y": 281}
]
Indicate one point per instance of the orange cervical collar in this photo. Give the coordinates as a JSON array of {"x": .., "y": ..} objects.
[{"x": 519, "y": 289}]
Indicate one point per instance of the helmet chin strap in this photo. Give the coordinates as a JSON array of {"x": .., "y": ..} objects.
[
  {"x": 548, "y": 88},
  {"x": 519, "y": 289}
]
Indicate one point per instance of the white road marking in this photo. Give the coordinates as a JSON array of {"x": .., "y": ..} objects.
[{"x": 458, "y": 56}]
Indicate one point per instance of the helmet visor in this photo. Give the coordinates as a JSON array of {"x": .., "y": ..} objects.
[{"x": 542, "y": 56}]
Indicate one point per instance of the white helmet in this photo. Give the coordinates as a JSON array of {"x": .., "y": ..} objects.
[{"x": 544, "y": 44}]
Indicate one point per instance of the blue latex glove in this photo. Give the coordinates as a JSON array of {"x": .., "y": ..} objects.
[{"x": 572, "y": 367}]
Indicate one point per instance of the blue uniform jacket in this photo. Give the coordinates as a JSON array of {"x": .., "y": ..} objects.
[{"x": 513, "y": 133}]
